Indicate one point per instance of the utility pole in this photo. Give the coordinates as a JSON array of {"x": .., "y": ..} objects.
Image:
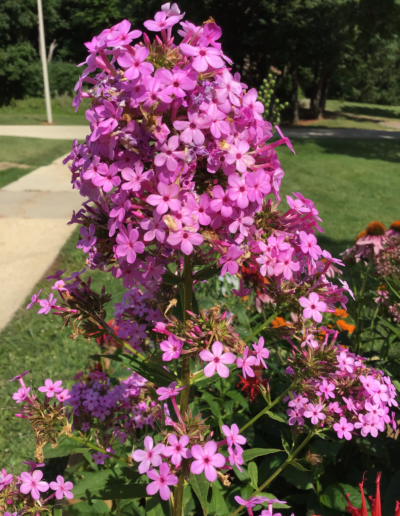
[{"x": 43, "y": 56}]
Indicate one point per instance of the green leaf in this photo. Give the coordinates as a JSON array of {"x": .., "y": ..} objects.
[
  {"x": 170, "y": 279},
  {"x": 95, "y": 508},
  {"x": 218, "y": 504},
  {"x": 300, "y": 479},
  {"x": 334, "y": 496},
  {"x": 258, "y": 452},
  {"x": 391, "y": 495},
  {"x": 200, "y": 486},
  {"x": 253, "y": 472},
  {"x": 298, "y": 466},
  {"x": 272, "y": 415},
  {"x": 207, "y": 273},
  {"x": 390, "y": 326},
  {"x": 157, "y": 507},
  {"x": 146, "y": 368},
  {"x": 213, "y": 404},
  {"x": 110, "y": 485},
  {"x": 285, "y": 444},
  {"x": 238, "y": 398},
  {"x": 65, "y": 447}
]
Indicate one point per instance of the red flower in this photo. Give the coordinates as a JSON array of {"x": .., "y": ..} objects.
[
  {"x": 251, "y": 386},
  {"x": 376, "y": 509}
]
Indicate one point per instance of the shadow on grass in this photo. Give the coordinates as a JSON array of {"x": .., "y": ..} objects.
[
  {"x": 371, "y": 111},
  {"x": 384, "y": 150}
]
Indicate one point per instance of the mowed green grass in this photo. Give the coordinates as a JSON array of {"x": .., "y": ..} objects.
[
  {"x": 351, "y": 182},
  {"x": 33, "y": 152},
  {"x": 32, "y": 111}
]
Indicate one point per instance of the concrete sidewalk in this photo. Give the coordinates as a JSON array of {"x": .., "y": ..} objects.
[
  {"x": 34, "y": 212},
  {"x": 47, "y": 132}
]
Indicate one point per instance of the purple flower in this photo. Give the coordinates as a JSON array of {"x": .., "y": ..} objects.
[
  {"x": 47, "y": 304},
  {"x": 151, "y": 455},
  {"x": 169, "y": 392},
  {"x": 161, "y": 482},
  {"x": 128, "y": 244},
  {"x": 313, "y": 307},
  {"x": 136, "y": 65},
  {"x": 5, "y": 479},
  {"x": 33, "y": 484},
  {"x": 99, "y": 458},
  {"x": 169, "y": 155},
  {"x": 107, "y": 179},
  {"x": 88, "y": 240},
  {"x": 176, "y": 82},
  {"x": 62, "y": 488},
  {"x": 207, "y": 459},
  {"x": 34, "y": 299},
  {"x": 217, "y": 360}
]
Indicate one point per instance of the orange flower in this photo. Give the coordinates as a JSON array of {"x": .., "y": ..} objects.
[
  {"x": 279, "y": 321},
  {"x": 395, "y": 225},
  {"x": 375, "y": 228},
  {"x": 339, "y": 312},
  {"x": 362, "y": 234},
  {"x": 344, "y": 326}
]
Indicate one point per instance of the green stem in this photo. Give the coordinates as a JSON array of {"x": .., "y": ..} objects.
[
  {"x": 185, "y": 377},
  {"x": 260, "y": 328},
  {"x": 360, "y": 303},
  {"x": 57, "y": 511},
  {"x": 267, "y": 408},
  {"x": 97, "y": 448},
  {"x": 279, "y": 470}
]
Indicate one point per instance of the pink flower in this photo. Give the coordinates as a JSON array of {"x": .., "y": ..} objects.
[
  {"x": 295, "y": 416},
  {"x": 136, "y": 65},
  {"x": 237, "y": 154},
  {"x": 169, "y": 155},
  {"x": 177, "y": 449},
  {"x": 134, "y": 179},
  {"x": 315, "y": 413},
  {"x": 169, "y": 392},
  {"x": 47, "y": 304},
  {"x": 217, "y": 359},
  {"x": 203, "y": 57},
  {"x": 151, "y": 455},
  {"x": 309, "y": 245},
  {"x": 161, "y": 22},
  {"x": 326, "y": 388},
  {"x": 21, "y": 394},
  {"x": 246, "y": 362},
  {"x": 154, "y": 92},
  {"x": 120, "y": 35},
  {"x": 228, "y": 87},
  {"x": 34, "y": 299},
  {"x": 259, "y": 184},
  {"x": 343, "y": 429},
  {"x": 345, "y": 362},
  {"x": 186, "y": 238},
  {"x": 207, "y": 459},
  {"x": 235, "y": 457},
  {"x": 161, "y": 482},
  {"x": 252, "y": 502},
  {"x": 62, "y": 488},
  {"x": 33, "y": 484},
  {"x": 154, "y": 228},
  {"x": 238, "y": 190},
  {"x": 167, "y": 200},
  {"x": 99, "y": 458},
  {"x": 250, "y": 101},
  {"x": 199, "y": 210},
  {"x": 285, "y": 265},
  {"x": 219, "y": 125},
  {"x": 107, "y": 178},
  {"x": 232, "y": 436},
  {"x": 191, "y": 129},
  {"x": 261, "y": 352},
  {"x": 51, "y": 388},
  {"x": 313, "y": 307},
  {"x": 88, "y": 240},
  {"x": 128, "y": 244},
  {"x": 63, "y": 395},
  {"x": 242, "y": 222},
  {"x": 221, "y": 202},
  {"x": 176, "y": 82},
  {"x": 5, "y": 479},
  {"x": 230, "y": 260}
]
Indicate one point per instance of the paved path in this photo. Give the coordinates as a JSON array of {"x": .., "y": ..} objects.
[
  {"x": 47, "y": 132},
  {"x": 34, "y": 212}
]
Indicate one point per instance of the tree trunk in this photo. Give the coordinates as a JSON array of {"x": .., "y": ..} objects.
[
  {"x": 295, "y": 96},
  {"x": 325, "y": 91},
  {"x": 315, "y": 106}
]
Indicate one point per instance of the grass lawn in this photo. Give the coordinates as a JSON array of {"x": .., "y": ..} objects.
[
  {"x": 355, "y": 115},
  {"x": 32, "y": 152},
  {"x": 351, "y": 182},
  {"x": 32, "y": 111}
]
